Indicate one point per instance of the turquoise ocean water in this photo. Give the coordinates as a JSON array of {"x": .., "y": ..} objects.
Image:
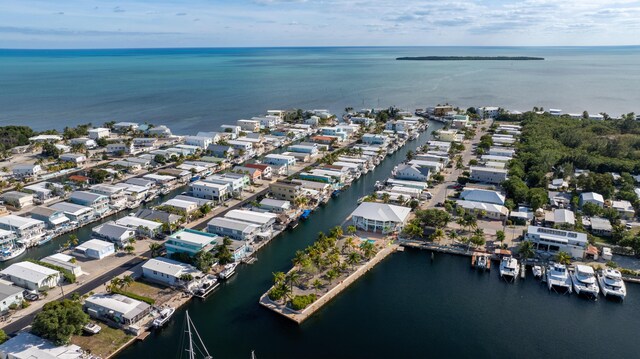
[{"x": 194, "y": 89}]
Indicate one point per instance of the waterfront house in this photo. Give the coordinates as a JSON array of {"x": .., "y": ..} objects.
[
  {"x": 146, "y": 183},
  {"x": 201, "y": 142},
  {"x": 549, "y": 240},
  {"x": 44, "y": 191},
  {"x": 95, "y": 249},
  {"x": 275, "y": 205},
  {"x": 433, "y": 166},
  {"x": 487, "y": 210},
  {"x": 75, "y": 212},
  {"x": 160, "y": 180},
  {"x": 240, "y": 181},
  {"x": 249, "y": 125},
  {"x": 45, "y": 138},
  {"x": 380, "y": 217},
  {"x": 338, "y": 133},
  {"x": 143, "y": 227},
  {"x": 184, "y": 207},
  {"x": 54, "y": 219},
  {"x": 169, "y": 272},
  {"x": 26, "y": 171},
  {"x": 267, "y": 121},
  {"x": 279, "y": 160},
  {"x": 439, "y": 146},
  {"x": 364, "y": 121},
  {"x": 374, "y": 139},
  {"x": 160, "y": 131},
  {"x": 309, "y": 149},
  {"x": 459, "y": 121},
  {"x": 265, "y": 169},
  {"x": 86, "y": 142},
  {"x": 190, "y": 241},
  {"x": 77, "y": 159},
  {"x": 133, "y": 193},
  {"x": 31, "y": 276},
  {"x": 25, "y": 345},
  {"x": 10, "y": 295},
  {"x": 118, "y": 234},
  {"x": 116, "y": 308},
  {"x": 624, "y": 208},
  {"x": 285, "y": 190},
  {"x": 325, "y": 140},
  {"x": 100, "y": 132},
  {"x": 115, "y": 194},
  {"x": 122, "y": 127},
  {"x": 253, "y": 173},
  {"x": 159, "y": 216},
  {"x": 449, "y": 135},
  {"x": 234, "y": 185},
  {"x": 63, "y": 261},
  {"x": 591, "y": 197},
  {"x": 233, "y": 228},
  {"x": 411, "y": 173},
  {"x": 185, "y": 150},
  {"x": 17, "y": 200},
  {"x": 559, "y": 217},
  {"x": 99, "y": 202},
  {"x": 488, "y": 174},
  {"x": 321, "y": 176},
  {"x": 482, "y": 195},
  {"x": 264, "y": 220},
  {"x": 28, "y": 230},
  {"x": 231, "y": 129},
  {"x": 600, "y": 226},
  {"x": 222, "y": 151},
  {"x": 210, "y": 190},
  {"x": 145, "y": 142}
]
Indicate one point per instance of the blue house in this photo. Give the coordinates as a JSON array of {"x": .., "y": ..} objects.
[
  {"x": 98, "y": 202},
  {"x": 190, "y": 241}
]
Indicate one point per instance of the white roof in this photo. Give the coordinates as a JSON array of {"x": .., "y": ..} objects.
[
  {"x": 251, "y": 216},
  {"x": 194, "y": 237},
  {"x": 482, "y": 195},
  {"x": 169, "y": 267},
  {"x": 382, "y": 212},
  {"x": 135, "y": 222},
  {"x": 488, "y": 169},
  {"x": 275, "y": 203},
  {"x": 488, "y": 207},
  {"x": 281, "y": 157},
  {"x": 28, "y": 346},
  {"x": 560, "y": 216},
  {"x": 557, "y": 235},
  {"x": 592, "y": 196},
  {"x": 95, "y": 244},
  {"x": 72, "y": 208},
  {"x": 18, "y": 222},
  {"x": 178, "y": 203},
  {"x": 129, "y": 307},
  {"x": 28, "y": 271}
]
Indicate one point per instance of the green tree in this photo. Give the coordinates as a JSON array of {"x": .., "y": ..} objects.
[
  {"x": 351, "y": 230},
  {"x": 3, "y": 336},
  {"x": 591, "y": 209},
  {"x": 433, "y": 217},
  {"x": 203, "y": 260},
  {"x": 563, "y": 258},
  {"x": 156, "y": 249},
  {"x": 59, "y": 320},
  {"x": 538, "y": 198},
  {"x": 437, "y": 235}
]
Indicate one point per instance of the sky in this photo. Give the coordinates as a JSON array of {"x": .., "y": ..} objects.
[{"x": 246, "y": 23}]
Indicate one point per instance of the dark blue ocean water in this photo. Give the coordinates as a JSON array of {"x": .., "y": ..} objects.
[{"x": 198, "y": 89}]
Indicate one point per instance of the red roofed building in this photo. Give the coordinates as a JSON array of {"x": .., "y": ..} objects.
[{"x": 326, "y": 140}]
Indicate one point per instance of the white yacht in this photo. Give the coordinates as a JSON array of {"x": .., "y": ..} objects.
[
  {"x": 558, "y": 278},
  {"x": 509, "y": 268},
  {"x": 228, "y": 271},
  {"x": 9, "y": 247},
  {"x": 611, "y": 283},
  {"x": 164, "y": 317},
  {"x": 481, "y": 262},
  {"x": 584, "y": 281},
  {"x": 537, "y": 271}
]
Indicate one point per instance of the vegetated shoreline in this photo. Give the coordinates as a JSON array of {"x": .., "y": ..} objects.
[{"x": 468, "y": 58}]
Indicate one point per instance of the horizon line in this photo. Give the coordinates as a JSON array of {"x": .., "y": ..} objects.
[{"x": 310, "y": 47}]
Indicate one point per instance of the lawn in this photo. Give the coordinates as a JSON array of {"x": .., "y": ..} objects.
[
  {"x": 104, "y": 343},
  {"x": 159, "y": 293}
]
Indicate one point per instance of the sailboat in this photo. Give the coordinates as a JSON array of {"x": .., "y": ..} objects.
[{"x": 199, "y": 346}]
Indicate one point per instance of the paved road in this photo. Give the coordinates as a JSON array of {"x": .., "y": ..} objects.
[{"x": 85, "y": 288}]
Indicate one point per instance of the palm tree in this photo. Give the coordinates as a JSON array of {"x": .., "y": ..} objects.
[
  {"x": 453, "y": 235},
  {"x": 279, "y": 278},
  {"x": 293, "y": 278},
  {"x": 353, "y": 259},
  {"x": 73, "y": 239},
  {"x": 351, "y": 230},
  {"x": 437, "y": 235},
  {"x": 115, "y": 283},
  {"x": 385, "y": 197},
  {"x": 336, "y": 232},
  {"x": 317, "y": 284},
  {"x": 127, "y": 280},
  {"x": 563, "y": 258},
  {"x": 155, "y": 249},
  {"x": 526, "y": 250}
]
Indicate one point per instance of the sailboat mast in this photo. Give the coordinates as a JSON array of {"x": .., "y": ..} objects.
[{"x": 192, "y": 354}]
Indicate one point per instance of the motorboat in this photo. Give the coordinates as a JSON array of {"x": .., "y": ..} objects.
[
  {"x": 481, "y": 261},
  {"x": 9, "y": 247},
  {"x": 537, "y": 271},
  {"x": 584, "y": 281},
  {"x": 92, "y": 328},
  {"x": 611, "y": 283},
  {"x": 228, "y": 271},
  {"x": 206, "y": 286},
  {"x": 164, "y": 317},
  {"x": 558, "y": 278},
  {"x": 509, "y": 268}
]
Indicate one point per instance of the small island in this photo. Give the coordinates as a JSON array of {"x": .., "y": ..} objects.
[{"x": 468, "y": 58}]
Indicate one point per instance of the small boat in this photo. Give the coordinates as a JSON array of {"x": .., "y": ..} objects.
[
  {"x": 228, "y": 271},
  {"x": 164, "y": 317},
  {"x": 481, "y": 262},
  {"x": 92, "y": 328},
  {"x": 509, "y": 268},
  {"x": 558, "y": 278},
  {"x": 537, "y": 271},
  {"x": 305, "y": 214},
  {"x": 208, "y": 284},
  {"x": 584, "y": 281},
  {"x": 611, "y": 283},
  {"x": 45, "y": 240}
]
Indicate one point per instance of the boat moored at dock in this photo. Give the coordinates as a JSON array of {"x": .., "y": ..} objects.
[
  {"x": 558, "y": 278},
  {"x": 584, "y": 281},
  {"x": 611, "y": 283},
  {"x": 163, "y": 318},
  {"x": 509, "y": 268},
  {"x": 228, "y": 271}
]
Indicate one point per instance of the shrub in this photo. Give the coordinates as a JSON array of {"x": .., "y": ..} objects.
[
  {"x": 25, "y": 304},
  {"x": 302, "y": 301},
  {"x": 276, "y": 294},
  {"x": 13, "y": 306},
  {"x": 66, "y": 274},
  {"x": 141, "y": 298}
]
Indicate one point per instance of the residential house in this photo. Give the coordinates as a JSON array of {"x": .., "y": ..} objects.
[
  {"x": 275, "y": 205},
  {"x": 28, "y": 230},
  {"x": 122, "y": 127},
  {"x": 190, "y": 241},
  {"x": 26, "y": 171},
  {"x": 120, "y": 148},
  {"x": 253, "y": 173},
  {"x": 100, "y": 132},
  {"x": 160, "y": 216},
  {"x": 601, "y": 226},
  {"x": 210, "y": 190},
  {"x": 374, "y": 139},
  {"x": 99, "y": 202},
  {"x": 199, "y": 141},
  {"x": 10, "y": 296},
  {"x": 143, "y": 227},
  {"x": 486, "y": 210},
  {"x": 77, "y": 159},
  {"x": 31, "y": 276},
  {"x": 560, "y": 217},
  {"x": 181, "y": 206},
  {"x": 264, "y": 220},
  {"x": 482, "y": 195},
  {"x": 116, "y": 308},
  {"x": 285, "y": 190},
  {"x": 53, "y": 219},
  {"x": 380, "y": 217},
  {"x": 115, "y": 194},
  {"x": 624, "y": 208},
  {"x": 171, "y": 273},
  {"x": 86, "y": 142},
  {"x": 28, "y": 346},
  {"x": 222, "y": 151},
  {"x": 160, "y": 131},
  {"x": 17, "y": 200},
  {"x": 64, "y": 261},
  {"x": 120, "y": 235},
  {"x": 265, "y": 169},
  {"x": 488, "y": 175},
  {"x": 249, "y": 125},
  {"x": 591, "y": 197},
  {"x": 75, "y": 212},
  {"x": 233, "y": 228},
  {"x": 145, "y": 142},
  {"x": 95, "y": 249}
]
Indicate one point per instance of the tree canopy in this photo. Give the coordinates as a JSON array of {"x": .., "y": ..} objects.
[{"x": 59, "y": 320}]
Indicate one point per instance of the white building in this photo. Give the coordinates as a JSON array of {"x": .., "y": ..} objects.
[
  {"x": 591, "y": 197},
  {"x": 279, "y": 160},
  {"x": 29, "y": 231},
  {"x": 24, "y": 171},
  {"x": 169, "y": 272},
  {"x": 115, "y": 233},
  {"x": 553, "y": 240},
  {"x": 380, "y": 217},
  {"x": 488, "y": 174},
  {"x": 487, "y": 210},
  {"x": 411, "y": 173},
  {"x": 64, "y": 261},
  {"x": 210, "y": 190},
  {"x": 28, "y": 346},
  {"x": 96, "y": 133},
  {"x": 9, "y": 295},
  {"x": 482, "y": 195},
  {"x": 31, "y": 276},
  {"x": 143, "y": 227},
  {"x": 95, "y": 249}
]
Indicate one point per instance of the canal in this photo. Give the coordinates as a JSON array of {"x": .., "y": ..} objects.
[{"x": 231, "y": 322}]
